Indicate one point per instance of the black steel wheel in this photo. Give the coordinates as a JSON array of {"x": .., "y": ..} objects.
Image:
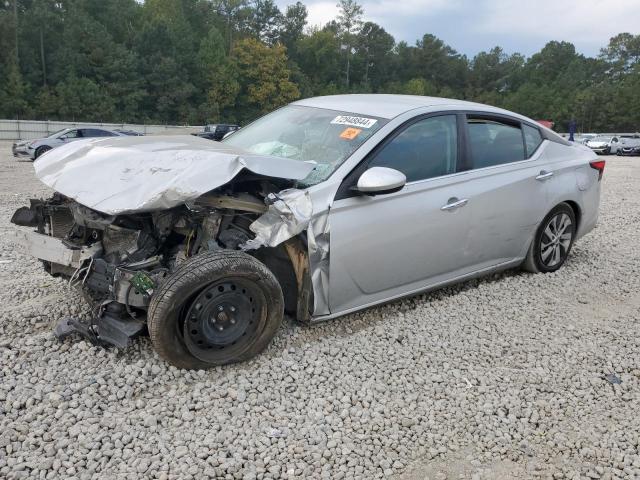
[
  {"x": 221, "y": 316},
  {"x": 553, "y": 241},
  {"x": 217, "y": 308}
]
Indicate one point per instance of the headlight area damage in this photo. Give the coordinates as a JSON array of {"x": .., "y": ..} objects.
[{"x": 203, "y": 245}]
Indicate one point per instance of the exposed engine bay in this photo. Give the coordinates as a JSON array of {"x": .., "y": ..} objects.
[{"x": 118, "y": 261}]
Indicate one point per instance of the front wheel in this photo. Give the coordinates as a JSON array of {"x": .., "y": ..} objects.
[
  {"x": 552, "y": 242},
  {"x": 40, "y": 150},
  {"x": 216, "y": 308}
]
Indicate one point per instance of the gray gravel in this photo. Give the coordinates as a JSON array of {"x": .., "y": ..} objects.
[{"x": 497, "y": 378}]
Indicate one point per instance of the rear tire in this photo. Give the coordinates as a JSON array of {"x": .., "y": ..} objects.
[
  {"x": 216, "y": 308},
  {"x": 552, "y": 242},
  {"x": 41, "y": 150}
]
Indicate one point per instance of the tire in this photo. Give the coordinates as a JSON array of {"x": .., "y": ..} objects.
[
  {"x": 546, "y": 253},
  {"x": 216, "y": 308},
  {"x": 40, "y": 150}
]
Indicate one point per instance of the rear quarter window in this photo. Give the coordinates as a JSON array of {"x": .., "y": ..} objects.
[{"x": 532, "y": 139}]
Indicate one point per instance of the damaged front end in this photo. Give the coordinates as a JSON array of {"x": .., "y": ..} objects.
[{"x": 118, "y": 259}]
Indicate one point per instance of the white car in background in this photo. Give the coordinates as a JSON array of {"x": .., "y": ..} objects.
[
  {"x": 34, "y": 148},
  {"x": 604, "y": 144}
]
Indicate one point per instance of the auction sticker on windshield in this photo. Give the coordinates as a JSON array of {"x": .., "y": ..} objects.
[
  {"x": 350, "y": 133},
  {"x": 361, "y": 122}
]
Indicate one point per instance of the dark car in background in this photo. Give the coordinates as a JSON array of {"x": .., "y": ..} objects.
[
  {"x": 630, "y": 150},
  {"x": 629, "y": 145},
  {"x": 216, "y": 132}
]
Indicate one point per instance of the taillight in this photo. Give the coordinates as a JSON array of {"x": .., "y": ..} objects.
[{"x": 598, "y": 165}]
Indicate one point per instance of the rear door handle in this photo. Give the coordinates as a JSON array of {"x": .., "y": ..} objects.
[
  {"x": 544, "y": 175},
  {"x": 454, "y": 203}
]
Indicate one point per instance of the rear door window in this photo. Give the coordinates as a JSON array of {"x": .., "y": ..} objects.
[
  {"x": 425, "y": 149},
  {"x": 494, "y": 142},
  {"x": 71, "y": 134},
  {"x": 97, "y": 132}
]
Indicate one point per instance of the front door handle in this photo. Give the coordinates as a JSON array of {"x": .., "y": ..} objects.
[
  {"x": 454, "y": 203},
  {"x": 544, "y": 175}
]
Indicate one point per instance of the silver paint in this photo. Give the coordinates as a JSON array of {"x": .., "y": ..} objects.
[{"x": 132, "y": 174}]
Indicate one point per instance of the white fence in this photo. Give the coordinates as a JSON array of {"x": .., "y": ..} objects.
[{"x": 31, "y": 129}]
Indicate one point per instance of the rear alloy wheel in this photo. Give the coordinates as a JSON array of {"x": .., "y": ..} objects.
[
  {"x": 553, "y": 241},
  {"x": 41, "y": 150},
  {"x": 216, "y": 308}
]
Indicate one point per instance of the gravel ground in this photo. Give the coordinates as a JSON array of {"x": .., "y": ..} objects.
[{"x": 494, "y": 379}]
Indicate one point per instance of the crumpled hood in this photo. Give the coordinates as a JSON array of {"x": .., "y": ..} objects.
[{"x": 133, "y": 174}]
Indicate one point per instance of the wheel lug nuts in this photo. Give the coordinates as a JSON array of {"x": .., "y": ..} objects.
[
  {"x": 220, "y": 307},
  {"x": 232, "y": 321},
  {"x": 233, "y": 309},
  {"x": 220, "y": 328}
]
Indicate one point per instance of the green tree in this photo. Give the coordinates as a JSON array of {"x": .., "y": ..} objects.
[
  {"x": 622, "y": 54},
  {"x": 265, "y": 21},
  {"x": 374, "y": 51},
  {"x": 546, "y": 65},
  {"x": 349, "y": 23},
  {"x": 495, "y": 71},
  {"x": 319, "y": 57},
  {"x": 263, "y": 78},
  {"x": 222, "y": 85},
  {"x": 82, "y": 99},
  {"x": 235, "y": 14},
  {"x": 13, "y": 95},
  {"x": 292, "y": 26}
]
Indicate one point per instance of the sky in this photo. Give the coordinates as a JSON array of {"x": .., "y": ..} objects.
[{"x": 471, "y": 26}]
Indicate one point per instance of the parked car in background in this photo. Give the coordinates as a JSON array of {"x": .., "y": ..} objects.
[
  {"x": 34, "y": 148},
  {"x": 216, "y": 132},
  {"x": 632, "y": 151},
  {"x": 630, "y": 145},
  {"x": 583, "y": 138},
  {"x": 324, "y": 207},
  {"x": 19, "y": 148},
  {"x": 604, "y": 144}
]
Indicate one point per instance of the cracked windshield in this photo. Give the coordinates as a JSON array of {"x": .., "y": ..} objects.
[{"x": 324, "y": 137}]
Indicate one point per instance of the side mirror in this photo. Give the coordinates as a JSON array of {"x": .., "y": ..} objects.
[{"x": 378, "y": 180}]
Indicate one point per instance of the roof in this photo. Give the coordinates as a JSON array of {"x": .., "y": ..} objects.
[
  {"x": 382, "y": 105},
  {"x": 390, "y": 106}
]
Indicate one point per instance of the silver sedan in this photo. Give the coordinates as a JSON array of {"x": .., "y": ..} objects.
[
  {"x": 321, "y": 208},
  {"x": 34, "y": 148}
]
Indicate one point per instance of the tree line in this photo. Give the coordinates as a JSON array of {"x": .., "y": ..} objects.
[{"x": 197, "y": 61}]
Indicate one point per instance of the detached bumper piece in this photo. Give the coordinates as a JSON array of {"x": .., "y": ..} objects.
[{"x": 108, "y": 329}]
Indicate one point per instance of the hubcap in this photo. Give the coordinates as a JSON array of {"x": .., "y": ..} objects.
[
  {"x": 556, "y": 240},
  {"x": 220, "y": 316}
]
